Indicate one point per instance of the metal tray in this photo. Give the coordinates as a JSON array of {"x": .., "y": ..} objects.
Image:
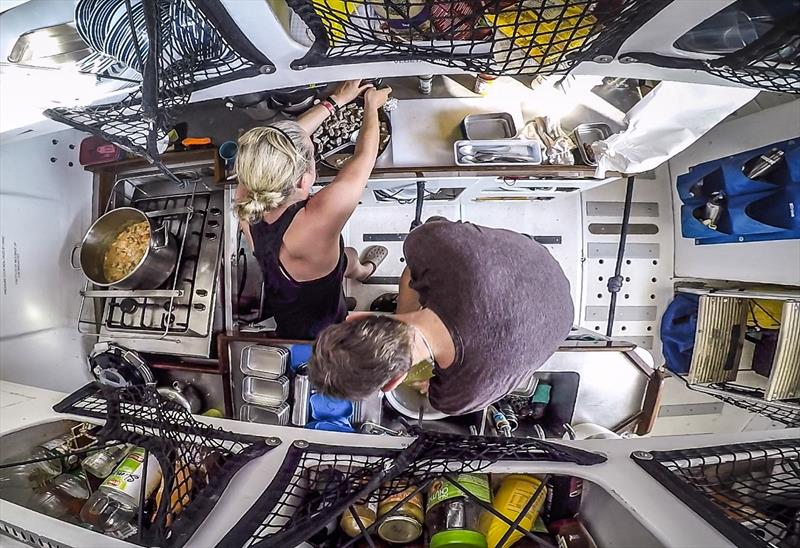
[
  {"x": 265, "y": 392},
  {"x": 483, "y": 127},
  {"x": 278, "y": 416},
  {"x": 586, "y": 134},
  {"x": 268, "y": 362},
  {"x": 515, "y": 147}
]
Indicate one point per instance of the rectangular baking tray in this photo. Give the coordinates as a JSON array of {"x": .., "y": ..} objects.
[
  {"x": 268, "y": 362},
  {"x": 518, "y": 147},
  {"x": 265, "y": 392},
  {"x": 586, "y": 134},
  {"x": 483, "y": 127},
  {"x": 278, "y": 416}
]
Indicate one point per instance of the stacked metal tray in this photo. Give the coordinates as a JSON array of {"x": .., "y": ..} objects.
[{"x": 265, "y": 387}]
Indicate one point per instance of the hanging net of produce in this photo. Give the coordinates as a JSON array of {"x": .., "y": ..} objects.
[
  {"x": 178, "y": 46},
  {"x": 771, "y": 63},
  {"x": 321, "y": 488},
  {"x": 195, "y": 461},
  {"x": 498, "y": 37},
  {"x": 750, "y": 492}
]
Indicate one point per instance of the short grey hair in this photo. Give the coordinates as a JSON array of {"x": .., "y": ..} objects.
[{"x": 353, "y": 360}]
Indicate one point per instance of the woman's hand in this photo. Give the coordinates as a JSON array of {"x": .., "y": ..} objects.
[
  {"x": 346, "y": 92},
  {"x": 376, "y": 98}
]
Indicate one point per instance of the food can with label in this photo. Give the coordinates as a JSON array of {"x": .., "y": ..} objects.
[
  {"x": 405, "y": 523},
  {"x": 366, "y": 511}
]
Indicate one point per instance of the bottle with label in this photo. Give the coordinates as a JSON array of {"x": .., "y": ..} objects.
[
  {"x": 570, "y": 533},
  {"x": 115, "y": 503},
  {"x": 511, "y": 498},
  {"x": 101, "y": 463},
  {"x": 64, "y": 496},
  {"x": 37, "y": 474},
  {"x": 452, "y": 516}
]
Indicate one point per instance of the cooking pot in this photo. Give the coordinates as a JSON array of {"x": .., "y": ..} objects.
[
  {"x": 183, "y": 394},
  {"x": 153, "y": 268}
]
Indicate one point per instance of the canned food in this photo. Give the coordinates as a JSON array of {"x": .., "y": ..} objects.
[
  {"x": 405, "y": 523},
  {"x": 399, "y": 529},
  {"x": 366, "y": 511}
]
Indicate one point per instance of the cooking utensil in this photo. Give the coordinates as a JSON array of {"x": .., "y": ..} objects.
[
  {"x": 184, "y": 394},
  {"x": 585, "y": 135},
  {"x": 265, "y": 392},
  {"x": 153, "y": 269},
  {"x": 407, "y": 401},
  {"x": 499, "y": 125},
  {"x": 489, "y": 157},
  {"x": 350, "y": 142},
  {"x": 512, "y": 152}
]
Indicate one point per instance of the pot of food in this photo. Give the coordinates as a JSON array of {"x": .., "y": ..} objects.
[{"x": 124, "y": 249}]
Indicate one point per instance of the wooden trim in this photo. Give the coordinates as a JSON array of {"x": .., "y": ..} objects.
[
  {"x": 196, "y": 155},
  {"x": 651, "y": 403}
]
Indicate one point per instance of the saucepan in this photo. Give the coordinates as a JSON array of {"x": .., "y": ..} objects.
[{"x": 152, "y": 270}]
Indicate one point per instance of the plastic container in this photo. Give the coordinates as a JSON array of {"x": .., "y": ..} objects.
[
  {"x": 455, "y": 538},
  {"x": 514, "y": 493}
]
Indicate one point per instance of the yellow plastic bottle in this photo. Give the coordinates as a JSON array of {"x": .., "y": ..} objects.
[{"x": 514, "y": 493}]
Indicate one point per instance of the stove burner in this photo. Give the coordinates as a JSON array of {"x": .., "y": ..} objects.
[{"x": 128, "y": 305}]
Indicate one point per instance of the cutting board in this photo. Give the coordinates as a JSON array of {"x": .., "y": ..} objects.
[{"x": 424, "y": 130}]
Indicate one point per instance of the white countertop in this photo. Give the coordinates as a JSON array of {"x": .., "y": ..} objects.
[{"x": 668, "y": 519}]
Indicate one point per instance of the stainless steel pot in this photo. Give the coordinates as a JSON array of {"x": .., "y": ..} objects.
[
  {"x": 154, "y": 267},
  {"x": 184, "y": 394}
]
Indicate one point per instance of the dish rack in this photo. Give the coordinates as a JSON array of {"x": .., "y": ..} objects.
[{"x": 124, "y": 192}]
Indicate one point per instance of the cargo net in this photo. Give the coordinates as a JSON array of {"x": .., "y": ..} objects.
[
  {"x": 486, "y": 36},
  {"x": 785, "y": 412},
  {"x": 318, "y": 486},
  {"x": 197, "y": 46},
  {"x": 770, "y": 63},
  {"x": 196, "y": 461},
  {"x": 749, "y": 492}
]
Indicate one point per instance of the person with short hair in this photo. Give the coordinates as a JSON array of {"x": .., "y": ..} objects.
[
  {"x": 296, "y": 238},
  {"x": 486, "y": 306}
]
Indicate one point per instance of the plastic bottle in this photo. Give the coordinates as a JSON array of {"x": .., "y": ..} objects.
[
  {"x": 37, "y": 474},
  {"x": 64, "y": 496},
  {"x": 514, "y": 493},
  {"x": 115, "y": 503},
  {"x": 101, "y": 463}
]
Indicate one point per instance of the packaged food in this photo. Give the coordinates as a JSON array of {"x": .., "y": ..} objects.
[
  {"x": 511, "y": 498},
  {"x": 449, "y": 508},
  {"x": 405, "y": 524},
  {"x": 563, "y": 498},
  {"x": 367, "y": 513}
]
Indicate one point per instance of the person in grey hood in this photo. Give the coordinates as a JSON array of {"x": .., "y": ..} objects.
[{"x": 486, "y": 306}]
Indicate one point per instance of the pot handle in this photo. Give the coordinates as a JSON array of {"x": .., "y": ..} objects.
[
  {"x": 75, "y": 248},
  {"x": 165, "y": 238}
]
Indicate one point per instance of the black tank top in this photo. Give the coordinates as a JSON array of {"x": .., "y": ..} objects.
[{"x": 301, "y": 309}]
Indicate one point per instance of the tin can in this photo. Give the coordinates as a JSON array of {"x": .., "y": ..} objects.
[
  {"x": 483, "y": 82},
  {"x": 425, "y": 83},
  {"x": 405, "y": 524},
  {"x": 366, "y": 511}
]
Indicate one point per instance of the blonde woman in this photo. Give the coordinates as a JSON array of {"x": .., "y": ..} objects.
[{"x": 296, "y": 239}]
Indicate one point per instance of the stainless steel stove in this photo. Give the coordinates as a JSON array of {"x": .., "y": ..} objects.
[{"x": 182, "y": 315}]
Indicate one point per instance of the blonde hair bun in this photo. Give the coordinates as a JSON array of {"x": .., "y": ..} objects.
[{"x": 269, "y": 163}]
